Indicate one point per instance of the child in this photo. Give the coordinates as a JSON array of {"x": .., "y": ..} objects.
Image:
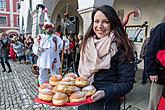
[{"x": 11, "y": 52}]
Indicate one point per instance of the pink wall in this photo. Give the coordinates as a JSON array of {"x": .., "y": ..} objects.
[
  {"x": 7, "y": 5},
  {"x": 15, "y": 20},
  {"x": 15, "y": 5},
  {"x": 7, "y": 27}
]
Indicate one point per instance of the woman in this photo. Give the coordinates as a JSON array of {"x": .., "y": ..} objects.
[
  {"x": 107, "y": 56},
  {"x": 19, "y": 50},
  {"x": 11, "y": 51},
  {"x": 77, "y": 50},
  {"x": 28, "y": 48}
]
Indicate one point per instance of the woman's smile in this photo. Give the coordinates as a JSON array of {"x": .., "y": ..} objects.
[{"x": 101, "y": 25}]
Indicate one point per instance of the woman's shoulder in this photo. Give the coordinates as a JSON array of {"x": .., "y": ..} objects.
[
  {"x": 120, "y": 52},
  {"x": 120, "y": 56}
]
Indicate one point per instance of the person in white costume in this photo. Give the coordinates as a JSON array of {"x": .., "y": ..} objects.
[{"x": 47, "y": 47}]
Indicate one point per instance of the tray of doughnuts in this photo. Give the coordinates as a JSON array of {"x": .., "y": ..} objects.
[{"x": 69, "y": 90}]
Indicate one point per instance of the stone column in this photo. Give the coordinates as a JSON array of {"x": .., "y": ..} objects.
[
  {"x": 34, "y": 23},
  {"x": 86, "y": 7}
]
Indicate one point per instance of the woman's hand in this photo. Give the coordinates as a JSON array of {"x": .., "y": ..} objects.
[
  {"x": 98, "y": 95},
  {"x": 154, "y": 78}
]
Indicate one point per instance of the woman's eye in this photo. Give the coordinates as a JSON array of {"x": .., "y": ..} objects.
[
  {"x": 106, "y": 22},
  {"x": 96, "y": 21}
]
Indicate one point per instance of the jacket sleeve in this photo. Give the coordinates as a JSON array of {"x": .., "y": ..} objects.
[
  {"x": 143, "y": 48},
  {"x": 125, "y": 80},
  {"x": 155, "y": 44}
]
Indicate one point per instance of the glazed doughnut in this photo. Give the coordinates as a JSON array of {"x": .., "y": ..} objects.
[
  {"x": 45, "y": 86},
  {"x": 81, "y": 82},
  {"x": 72, "y": 75},
  {"x": 77, "y": 97},
  {"x": 55, "y": 89},
  {"x": 66, "y": 85},
  {"x": 60, "y": 98},
  {"x": 66, "y": 88},
  {"x": 89, "y": 90},
  {"x": 46, "y": 96},
  {"x": 45, "y": 92},
  {"x": 55, "y": 79},
  {"x": 67, "y": 81}
]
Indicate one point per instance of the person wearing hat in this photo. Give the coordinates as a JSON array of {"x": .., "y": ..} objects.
[{"x": 46, "y": 47}]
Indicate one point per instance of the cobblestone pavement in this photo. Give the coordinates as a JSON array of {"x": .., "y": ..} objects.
[{"x": 18, "y": 89}]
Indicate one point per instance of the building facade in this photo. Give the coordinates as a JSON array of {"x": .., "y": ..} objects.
[
  {"x": 149, "y": 13},
  {"x": 9, "y": 16}
]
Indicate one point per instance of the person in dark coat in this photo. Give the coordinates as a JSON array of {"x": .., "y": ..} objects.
[
  {"x": 4, "y": 50},
  {"x": 153, "y": 70},
  {"x": 142, "y": 57},
  {"x": 106, "y": 59}
]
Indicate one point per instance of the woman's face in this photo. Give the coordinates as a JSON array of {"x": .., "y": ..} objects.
[{"x": 101, "y": 25}]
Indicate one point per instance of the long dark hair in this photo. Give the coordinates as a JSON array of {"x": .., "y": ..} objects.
[{"x": 120, "y": 35}]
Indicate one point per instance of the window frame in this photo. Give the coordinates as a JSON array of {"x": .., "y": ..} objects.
[
  {"x": 3, "y": 3},
  {"x": 6, "y": 21},
  {"x": 17, "y": 6},
  {"x": 17, "y": 20},
  {"x": 137, "y": 33}
]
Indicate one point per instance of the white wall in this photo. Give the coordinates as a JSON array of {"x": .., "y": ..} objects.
[
  {"x": 60, "y": 7},
  {"x": 83, "y": 4},
  {"x": 35, "y": 3},
  {"x": 50, "y": 4},
  {"x": 152, "y": 11},
  {"x": 24, "y": 12}
]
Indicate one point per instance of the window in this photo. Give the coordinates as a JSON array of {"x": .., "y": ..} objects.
[
  {"x": 17, "y": 21},
  {"x": 136, "y": 33},
  {"x": 3, "y": 21},
  {"x": 18, "y": 6},
  {"x": 2, "y": 4}
]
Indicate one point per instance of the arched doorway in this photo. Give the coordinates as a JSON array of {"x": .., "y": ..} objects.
[{"x": 60, "y": 8}]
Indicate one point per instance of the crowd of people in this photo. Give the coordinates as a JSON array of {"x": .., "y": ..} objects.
[
  {"x": 16, "y": 48},
  {"x": 20, "y": 48},
  {"x": 104, "y": 56}
]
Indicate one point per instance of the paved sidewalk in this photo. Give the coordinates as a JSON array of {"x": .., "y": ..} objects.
[
  {"x": 138, "y": 98},
  {"x": 18, "y": 89}
]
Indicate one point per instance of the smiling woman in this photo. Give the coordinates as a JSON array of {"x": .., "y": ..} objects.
[
  {"x": 101, "y": 25},
  {"x": 106, "y": 60}
]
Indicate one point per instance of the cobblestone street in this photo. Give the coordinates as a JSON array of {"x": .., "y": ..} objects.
[{"x": 18, "y": 89}]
